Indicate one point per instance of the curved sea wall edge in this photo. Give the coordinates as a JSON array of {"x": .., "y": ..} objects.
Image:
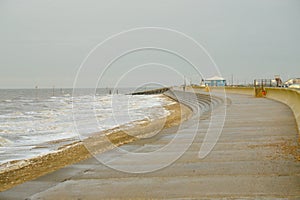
[{"x": 287, "y": 96}]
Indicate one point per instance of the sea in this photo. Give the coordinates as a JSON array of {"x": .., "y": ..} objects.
[{"x": 37, "y": 121}]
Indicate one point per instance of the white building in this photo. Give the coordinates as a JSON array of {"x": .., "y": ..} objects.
[
  {"x": 292, "y": 81},
  {"x": 215, "y": 81}
]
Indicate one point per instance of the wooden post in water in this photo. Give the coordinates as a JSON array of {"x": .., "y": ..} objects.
[
  {"x": 53, "y": 90},
  {"x": 184, "y": 83},
  {"x": 36, "y": 91}
]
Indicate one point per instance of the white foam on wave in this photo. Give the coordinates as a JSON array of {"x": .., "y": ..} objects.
[
  {"x": 4, "y": 141},
  {"x": 42, "y": 122}
]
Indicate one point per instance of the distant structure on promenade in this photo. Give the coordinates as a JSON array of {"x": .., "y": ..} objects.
[
  {"x": 291, "y": 81},
  {"x": 215, "y": 81},
  {"x": 278, "y": 81}
]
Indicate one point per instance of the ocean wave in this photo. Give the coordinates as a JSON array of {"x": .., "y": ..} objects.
[
  {"x": 4, "y": 142},
  {"x": 51, "y": 119}
]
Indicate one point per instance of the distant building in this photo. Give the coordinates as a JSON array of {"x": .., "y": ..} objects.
[
  {"x": 215, "y": 81},
  {"x": 292, "y": 81}
]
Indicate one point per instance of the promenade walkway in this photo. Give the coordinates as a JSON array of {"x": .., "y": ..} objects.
[{"x": 253, "y": 158}]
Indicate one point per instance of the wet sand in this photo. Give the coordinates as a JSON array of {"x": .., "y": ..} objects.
[{"x": 20, "y": 171}]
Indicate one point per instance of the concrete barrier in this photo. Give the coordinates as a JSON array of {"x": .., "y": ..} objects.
[
  {"x": 240, "y": 90},
  {"x": 288, "y": 97},
  {"x": 235, "y": 90}
]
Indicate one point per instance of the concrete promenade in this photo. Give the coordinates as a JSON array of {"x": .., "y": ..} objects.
[{"x": 255, "y": 157}]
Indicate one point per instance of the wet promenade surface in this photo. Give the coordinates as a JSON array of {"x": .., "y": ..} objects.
[{"x": 254, "y": 157}]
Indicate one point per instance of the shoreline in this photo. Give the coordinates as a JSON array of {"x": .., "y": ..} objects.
[{"x": 20, "y": 171}]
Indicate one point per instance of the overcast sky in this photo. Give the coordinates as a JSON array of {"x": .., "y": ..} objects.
[{"x": 43, "y": 42}]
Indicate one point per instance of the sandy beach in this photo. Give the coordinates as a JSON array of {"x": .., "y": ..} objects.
[{"x": 20, "y": 171}]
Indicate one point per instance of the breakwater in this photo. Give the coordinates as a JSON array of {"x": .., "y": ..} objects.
[{"x": 154, "y": 91}]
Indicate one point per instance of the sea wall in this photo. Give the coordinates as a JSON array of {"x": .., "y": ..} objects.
[
  {"x": 240, "y": 90},
  {"x": 235, "y": 90},
  {"x": 288, "y": 97}
]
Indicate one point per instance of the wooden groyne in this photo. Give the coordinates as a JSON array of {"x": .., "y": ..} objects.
[{"x": 154, "y": 91}]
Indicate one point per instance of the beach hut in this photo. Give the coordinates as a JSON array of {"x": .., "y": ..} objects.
[{"x": 215, "y": 81}]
